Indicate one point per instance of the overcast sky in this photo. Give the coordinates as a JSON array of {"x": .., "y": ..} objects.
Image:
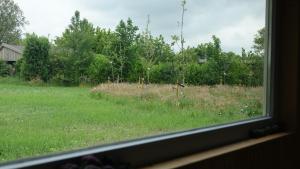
[{"x": 235, "y": 22}]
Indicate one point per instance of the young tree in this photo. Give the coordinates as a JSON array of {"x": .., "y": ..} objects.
[
  {"x": 35, "y": 64},
  {"x": 126, "y": 36},
  {"x": 106, "y": 44},
  {"x": 259, "y": 42},
  {"x": 152, "y": 51},
  {"x": 11, "y": 21},
  {"x": 175, "y": 39},
  {"x": 77, "y": 45},
  {"x": 182, "y": 41},
  {"x": 146, "y": 50},
  {"x": 255, "y": 60},
  {"x": 211, "y": 53}
]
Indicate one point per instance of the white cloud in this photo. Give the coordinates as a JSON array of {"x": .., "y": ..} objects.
[{"x": 239, "y": 35}]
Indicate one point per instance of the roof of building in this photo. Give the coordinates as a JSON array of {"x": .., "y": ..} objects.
[{"x": 16, "y": 48}]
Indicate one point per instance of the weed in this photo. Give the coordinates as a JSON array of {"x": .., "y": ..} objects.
[{"x": 252, "y": 108}]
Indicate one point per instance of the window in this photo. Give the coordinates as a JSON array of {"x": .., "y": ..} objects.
[{"x": 172, "y": 78}]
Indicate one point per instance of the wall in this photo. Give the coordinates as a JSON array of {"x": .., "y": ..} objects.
[{"x": 9, "y": 55}]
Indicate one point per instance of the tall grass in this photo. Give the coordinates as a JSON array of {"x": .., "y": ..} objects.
[
  {"x": 38, "y": 119},
  {"x": 212, "y": 98}
]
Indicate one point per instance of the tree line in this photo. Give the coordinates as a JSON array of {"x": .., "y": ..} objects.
[{"x": 88, "y": 54}]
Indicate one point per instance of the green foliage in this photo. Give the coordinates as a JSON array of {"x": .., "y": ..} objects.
[
  {"x": 105, "y": 42},
  {"x": 4, "y": 69},
  {"x": 202, "y": 74},
  {"x": 76, "y": 49},
  {"x": 125, "y": 57},
  {"x": 163, "y": 73},
  {"x": 137, "y": 70},
  {"x": 11, "y": 22},
  {"x": 234, "y": 70},
  {"x": 208, "y": 65},
  {"x": 86, "y": 54},
  {"x": 36, "y": 58},
  {"x": 100, "y": 69},
  {"x": 153, "y": 50},
  {"x": 259, "y": 42},
  {"x": 252, "y": 108},
  {"x": 59, "y": 62},
  {"x": 255, "y": 64},
  {"x": 18, "y": 67}
]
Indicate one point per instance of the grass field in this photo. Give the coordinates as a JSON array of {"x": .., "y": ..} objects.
[{"x": 37, "y": 119}]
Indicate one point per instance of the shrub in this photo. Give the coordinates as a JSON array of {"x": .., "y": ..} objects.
[
  {"x": 195, "y": 74},
  {"x": 4, "y": 69},
  {"x": 202, "y": 74},
  {"x": 100, "y": 69},
  {"x": 18, "y": 67},
  {"x": 36, "y": 58},
  {"x": 237, "y": 73},
  {"x": 256, "y": 75},
  {"x": 136, "y": 71},
  {"x": 162, "y": 73}
]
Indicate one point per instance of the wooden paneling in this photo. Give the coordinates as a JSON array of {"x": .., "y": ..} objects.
[
  {"x": 9, "y": 55},
  {"x": 211, "y": 154},
  {"x": 278, "y": 154}
]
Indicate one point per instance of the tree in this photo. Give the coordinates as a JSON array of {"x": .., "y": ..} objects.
[
  {"x": 100, "y": 69},
  {"x": 35, "y": 64},
  {"x": 11, "y": 21},
  {"x": 105, "y": 42},
  {"x": 148, "y": 49},
  {"x": 162, "y": 73},
  {"x": 175, "y": 38},
  {"x": 255, "y": 60},
  {"x": 259, "y": 42},
  {"x": 255, "y": 63},
  {"x": 236, "y": 72},
  {"x": 77, "y": 45},
  {"x": 126, "y": 36}
]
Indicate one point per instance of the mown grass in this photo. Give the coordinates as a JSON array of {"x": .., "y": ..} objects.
[{"x": 37, "y": 119}]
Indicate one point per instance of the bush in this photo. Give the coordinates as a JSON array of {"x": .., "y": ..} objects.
[
  {"x": 18, "y": 67},
  {"x": 237, "y": 73},
  {"x": 100, "y": 69},
  {"x": 202, "y": 74},
  {"x": 4, "y": 69},
  {"x": 256, "y": 75},
  {"x": 194, "y": 74},
  {"x": 57, "y": 69},
  {"x": 36, "y": 58},
  {"x": 136, "y": 71},
  {"x": 162, "y": 73}
]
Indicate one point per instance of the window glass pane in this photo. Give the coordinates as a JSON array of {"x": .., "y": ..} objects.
[{"x": 75, "y": 74}]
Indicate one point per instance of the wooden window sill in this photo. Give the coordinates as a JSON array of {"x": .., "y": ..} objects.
[{"x": 191, "y": 159}]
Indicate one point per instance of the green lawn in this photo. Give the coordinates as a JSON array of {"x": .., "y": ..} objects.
[{"x": 40, "y": 119}]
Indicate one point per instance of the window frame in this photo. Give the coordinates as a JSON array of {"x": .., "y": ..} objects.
[{"x": 154, "y": 149}]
